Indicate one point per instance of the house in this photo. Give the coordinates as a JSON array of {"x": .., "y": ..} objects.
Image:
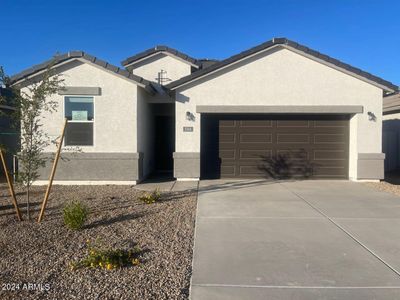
[
  {"x": 277, "y": 110},
  {"x": 391, "y": 132},
  {"x": 8, "y": 135}
]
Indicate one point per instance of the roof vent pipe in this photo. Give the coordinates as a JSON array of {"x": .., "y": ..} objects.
[{"x": 162, "y": 77}]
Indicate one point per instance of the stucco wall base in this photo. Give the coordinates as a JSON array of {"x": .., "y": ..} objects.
[
  {"x": 187, "y": 165},
  {"x": 370, "y": 166},
  {"x": 365, "y": 180},
  {"x": 187, "y": 179},
  {"x": 101, "y": 167}
]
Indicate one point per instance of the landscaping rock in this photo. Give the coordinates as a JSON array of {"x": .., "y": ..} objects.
[
  {"x": 386, "y": 187},
  {"x": 39, "y": 254}
]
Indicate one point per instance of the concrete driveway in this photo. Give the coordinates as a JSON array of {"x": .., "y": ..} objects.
[{"x": 296, "y": 240}]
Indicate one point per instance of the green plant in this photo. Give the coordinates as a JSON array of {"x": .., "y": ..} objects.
[
  {"x": 31, "y": 104},
  {"x": 100, "y": 257},
  {"x": 152, "y": 197},
  {"x": 75, "y": 214}
]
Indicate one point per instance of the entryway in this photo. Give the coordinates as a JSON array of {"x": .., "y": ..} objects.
[
  {"x": 164, "y": 140},
  {"x": 164, "y": 143}
]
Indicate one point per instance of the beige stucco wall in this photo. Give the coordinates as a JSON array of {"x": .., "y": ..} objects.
[
  {"x": 282, "y": 77},
  {"x": 114, "y": 110},
  {"x": 150, "y": 67}
]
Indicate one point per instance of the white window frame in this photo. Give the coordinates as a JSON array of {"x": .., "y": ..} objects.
[{"x": 89, "y": 121}]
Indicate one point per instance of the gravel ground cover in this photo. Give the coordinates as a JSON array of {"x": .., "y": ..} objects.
[
  {"x": 32, "y": 253},
  {"x": 386, "y": 187}
]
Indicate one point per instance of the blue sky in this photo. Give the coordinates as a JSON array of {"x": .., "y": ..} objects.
[{"x": 365, "y": 34}]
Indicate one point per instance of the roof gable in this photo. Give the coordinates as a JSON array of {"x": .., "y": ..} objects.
[
  {"x": 85, "y": 57},
  {"x": 283, "y": 42},
  {"x": 160, "y": 49}
]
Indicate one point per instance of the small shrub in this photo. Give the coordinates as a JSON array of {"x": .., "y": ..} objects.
[
  {"x": 109, "y": 259},
  {"x": 75, "y": 214},
  {"x": 152, "y": 197}
]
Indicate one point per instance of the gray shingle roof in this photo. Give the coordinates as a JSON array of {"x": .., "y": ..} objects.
[
  {"x": 282, "y": 41},
  {"x": 160, "y": 48},
  {"x": 206, "y": 62},
  {"x": 85, "y": 56}
]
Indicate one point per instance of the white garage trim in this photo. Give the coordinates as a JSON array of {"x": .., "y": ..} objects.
[{"x": 314, "y": 109}]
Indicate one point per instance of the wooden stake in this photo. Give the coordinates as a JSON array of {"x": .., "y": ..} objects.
[
  {"x": 53, "y": 172},
  {"x": 10, "y": 186}
]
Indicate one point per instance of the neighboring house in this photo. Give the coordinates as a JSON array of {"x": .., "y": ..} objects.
[
  {"x": 8, "y": 135},
  {"x": 391, "y": 132},
  {"x": 279, "y": 109}
]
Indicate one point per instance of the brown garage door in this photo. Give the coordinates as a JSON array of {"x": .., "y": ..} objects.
[{"x": 275, "y": 146}]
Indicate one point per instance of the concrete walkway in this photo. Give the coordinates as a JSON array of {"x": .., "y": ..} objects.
[{"x": 296, "y": 240}]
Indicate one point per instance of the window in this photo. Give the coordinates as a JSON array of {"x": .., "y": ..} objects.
[{"x": 80, "y": 114}]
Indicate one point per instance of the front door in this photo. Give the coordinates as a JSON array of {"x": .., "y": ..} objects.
[{"x": 164, "y": 143}]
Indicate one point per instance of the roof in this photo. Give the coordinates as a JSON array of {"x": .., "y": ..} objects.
[
  {"x": 386, "y": 85},
  {"x": 158, "y": 49},
  {"x": 58, "y": 59},
  {"x": 206, "y": 62},
  {"x": 391, "y": 104}
]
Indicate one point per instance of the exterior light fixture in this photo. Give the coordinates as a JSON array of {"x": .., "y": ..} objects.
[
  {"x": 371, "y": 116},
  {"x": 190, "y": 116}
]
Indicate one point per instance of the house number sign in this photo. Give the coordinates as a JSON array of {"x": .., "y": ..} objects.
[{"x": 187, "y": 129}]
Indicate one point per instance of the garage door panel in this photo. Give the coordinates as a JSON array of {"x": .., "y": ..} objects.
[
  {"x": 293, "y": 138},
  {"x": 292, "y": 124},
  {"x": 276, "y": 146},
  {"x": 228, "y": 154},
  {"x": 228, "y": 170},
  {"x": 227, "y": 123},
  {"x": 227, "y": 138},
  {"x": 244, "y": 124},
  {"x": 330, "y": 155},
  {"x": 294, "y": 154},
  {"x": 251, "y": 171},
  {"x": 327, "y": 146},
  {"x": 329, "y": 163},
  {"x": 331, "y": 123},
  {"x": 329, "y": 172},
  {"x": 329, "y": 138},
  {"x": 331, "y": 130},
  {"x": 255, "y": 146},
  {"x": 257, "y": 138},
  {"x": 255, "y": 154},
  {"x": 224, "y": 146}
]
